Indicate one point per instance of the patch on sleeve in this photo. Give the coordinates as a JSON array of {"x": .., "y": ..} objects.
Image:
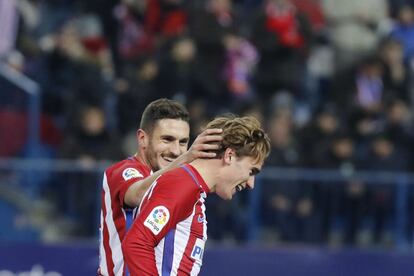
[
  {"x": 130, "y": 173},
  {"x": 157, "y": 219}
]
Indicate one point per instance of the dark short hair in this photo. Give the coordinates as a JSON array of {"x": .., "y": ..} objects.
[{"x": 162, "y": 109}]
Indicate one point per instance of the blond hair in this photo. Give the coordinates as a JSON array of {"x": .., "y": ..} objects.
[{"x": 244, "y": 135}]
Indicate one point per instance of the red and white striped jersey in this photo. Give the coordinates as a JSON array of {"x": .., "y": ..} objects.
[
  {"x": 115, "y": 216},
  {"x": 168, "y": 236}
]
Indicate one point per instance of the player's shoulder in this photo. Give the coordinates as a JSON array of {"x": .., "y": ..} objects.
[
  {"x": 128, "y": 168},
  {"x": 180, "y": 178},
  {"x": 177, "y": 173}
]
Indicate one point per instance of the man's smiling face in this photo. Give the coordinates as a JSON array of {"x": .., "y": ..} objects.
[
  {"x": 168, "y": 140},
  {"x": 238, "y": 175}
]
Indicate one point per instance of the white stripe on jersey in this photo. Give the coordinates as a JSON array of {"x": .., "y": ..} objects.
[
  {"x": 203, "y": 209},
  {"x": 102, "y": 256},
  {"x": 114, "y": 241},
  {"x": 151, "y": 188},
  {"x": 159, "y": 255}
]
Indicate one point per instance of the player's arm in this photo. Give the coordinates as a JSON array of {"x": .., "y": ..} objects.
[
  {"x": 166, "y": 206},
  {"x": 201, "y": 148}
]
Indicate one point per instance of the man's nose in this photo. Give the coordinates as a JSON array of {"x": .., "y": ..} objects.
[{"x": 175, "y": 149}]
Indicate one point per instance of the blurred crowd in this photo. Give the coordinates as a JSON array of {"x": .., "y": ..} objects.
[{"x": 331, "y": 79}]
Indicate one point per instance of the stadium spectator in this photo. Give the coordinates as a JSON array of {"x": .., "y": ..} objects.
[
  {"x": 386, "y": 155},
  {"x": 162, "y": 138},
  {"x": 135, "y": 88},
  {"x": 177, "y": 65},
  {"x": 403, "y": 30},
  {"x": 399, "y": 125},
  {"x": 214, "y": 28},
  {"x": 313, "y": 10},
  {"x": 354, "y": 28},
  {"x": 75, "y": 76},
  {"x": 167, "y": 18},
  {"x": 288, "y": 208},
  {"x": 364, "y": 126},
  {"x": 241, "y": 60},
  {"x": 174, "y": 224},
  {"x": 134, "y": 38},
  {"x": 396, "y": 71},
  {"x": 282, "y": 37},
  {"x": 318, "y": 133},
  {"x": 88, "y": 142},
  {"x": 338, "y": 225},
  {"x": 360, "y": 87}
]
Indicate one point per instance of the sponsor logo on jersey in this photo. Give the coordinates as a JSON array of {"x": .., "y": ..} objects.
[
  {"x": 130, "y": 173},
  {"x": 157, "y": 219},
  {"x": 198, "y": 250},
  {"x": 200, "y": 218}
]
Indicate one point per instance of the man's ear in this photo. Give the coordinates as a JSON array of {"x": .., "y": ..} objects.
[
  {"x": 229, "y": 155},
  {"x": 142, "y": 139}
]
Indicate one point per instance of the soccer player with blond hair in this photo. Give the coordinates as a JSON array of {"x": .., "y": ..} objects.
[{"x": 169, "y": 234}]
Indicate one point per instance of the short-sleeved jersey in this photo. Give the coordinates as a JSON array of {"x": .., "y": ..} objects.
[
  {"x": 115, "y": 216},
  {"x": 168, "y": 236}
]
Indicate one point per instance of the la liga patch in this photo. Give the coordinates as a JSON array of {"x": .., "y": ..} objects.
[
  {"x": 157, "y": 219},
  {"x": 130, "y": 173}
]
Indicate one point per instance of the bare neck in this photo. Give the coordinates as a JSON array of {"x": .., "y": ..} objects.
[
  {"x": 141, "y": 157},
  {"x": 209, "y": 171}
]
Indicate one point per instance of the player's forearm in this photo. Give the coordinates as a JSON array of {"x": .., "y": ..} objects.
[{"x": 136, "y": 191}]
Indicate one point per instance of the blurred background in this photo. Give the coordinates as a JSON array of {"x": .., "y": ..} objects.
[{"x": 331, "y": 80}]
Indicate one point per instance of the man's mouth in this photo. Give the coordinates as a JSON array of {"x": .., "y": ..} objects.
[
  {"x": 239, "y": 188},
  {"x": 168, "y": 159}
]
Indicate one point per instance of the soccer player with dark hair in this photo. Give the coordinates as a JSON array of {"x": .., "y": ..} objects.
[{"x": 162, "y": 139}]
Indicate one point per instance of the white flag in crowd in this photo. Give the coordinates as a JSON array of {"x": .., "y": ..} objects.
[{"x": 8, "y": 25}]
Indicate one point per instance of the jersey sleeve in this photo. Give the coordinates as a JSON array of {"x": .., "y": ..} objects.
[
  {"x": 169, "y": 201},
  {"x": 125, "y": 176}
]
